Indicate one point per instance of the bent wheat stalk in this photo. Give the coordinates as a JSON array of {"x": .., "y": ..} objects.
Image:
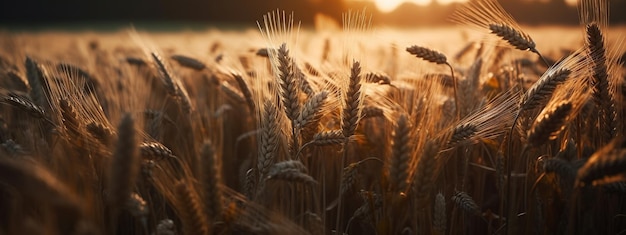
[{"x": 437, "y": 58}]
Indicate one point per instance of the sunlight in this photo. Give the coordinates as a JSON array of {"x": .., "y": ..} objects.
[
  {"x": 387, "y": 6},
  {"x": 390, "y": 5}
]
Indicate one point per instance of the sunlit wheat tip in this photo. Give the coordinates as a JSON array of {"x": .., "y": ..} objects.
[
  {"x": 549, "y": 124},
  {"x": 517, "y": 39},
  {"x": 352, "y": 108},
  {"x": 155, "y": 151},
  {"x": 427, "y": 54},
  {"x": 311, "y": 109}
]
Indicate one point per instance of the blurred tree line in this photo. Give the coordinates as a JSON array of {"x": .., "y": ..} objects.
[{"x": 249, "y": 11}]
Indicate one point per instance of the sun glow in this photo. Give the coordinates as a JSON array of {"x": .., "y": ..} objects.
[{"x": 390, "y": 5}]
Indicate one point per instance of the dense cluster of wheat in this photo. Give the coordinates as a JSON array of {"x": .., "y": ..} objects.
[{"x": 309, "y": 136}]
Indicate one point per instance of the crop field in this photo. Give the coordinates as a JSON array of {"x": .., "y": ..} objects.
[{"x": 487, "y": 127}]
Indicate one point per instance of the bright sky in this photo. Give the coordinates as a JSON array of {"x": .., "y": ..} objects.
[{"x": 390, "y": 5}]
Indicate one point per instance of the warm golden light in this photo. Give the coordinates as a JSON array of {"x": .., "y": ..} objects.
[
  {"x": 387, "y": 5},
  {"x": 390, "y": 5}
]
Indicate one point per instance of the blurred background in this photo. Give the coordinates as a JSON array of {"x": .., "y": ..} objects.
[{"x": 246, "y": 12}]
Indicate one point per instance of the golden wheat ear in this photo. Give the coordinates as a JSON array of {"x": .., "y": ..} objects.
[
  {"x": 489, "y": 14},
  {"x": 609, "y": 161},
  {"x": 125, "y": 164},
  {"x": 437, "y": 58}
]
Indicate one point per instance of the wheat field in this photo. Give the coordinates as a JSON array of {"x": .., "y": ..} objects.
[{"x": 488, "y": 127}]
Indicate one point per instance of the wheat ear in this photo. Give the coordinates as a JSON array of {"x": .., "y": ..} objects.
[
  {"x": 600, "y": 81},
  {"x": 607, "y": 161},
  {"x": 245, "y": 90},
  {"x": 462, "y": 133},
  {"x": 324, "y": 138},
  {"x": 292, "y": 171},
  {"x": 400, "y": 154},
  {"x": 352, "y": 109},
  {"x": 211, "y": 181},
  {"x": 125, "y": 164},
  {"x": 166, "y": 75},
  {"x": 288, "y": 83},
  {"x": 424, "y": 173},
  {"x": 437, "y": 58},
  {"x": 190, "y": 210},
  {"x": 467, "y": 203},
  {"x": 155, "y": 151},
  {"x": 37, "y": 76},
  {"x": 549, "y": 124},
  {"x": 101, "y": 132},
  {"x": 268, "y": 139},
  {"x": 439, "y": 222},
  {"x": 25, "y": 104},
  {"x": 489, "y": 14},
  {"x": 311, "y": 111},
  {"x": 189, "y": 62}
]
